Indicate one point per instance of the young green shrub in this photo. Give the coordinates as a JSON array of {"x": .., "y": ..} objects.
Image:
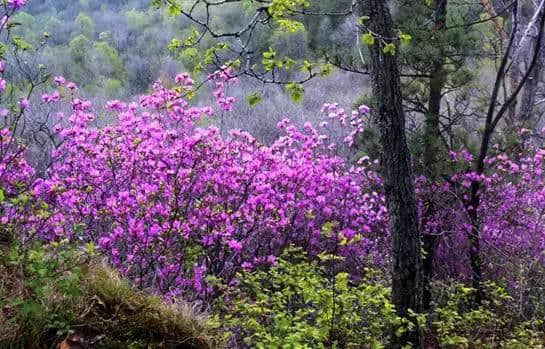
[
  {"x": 300, "y": 303},
  {"x": 458, "y": 322},
  {"x": 39, "y": 286}
]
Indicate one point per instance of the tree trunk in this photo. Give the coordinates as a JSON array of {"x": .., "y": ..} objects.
[
  {"x": 475, "y": 262},
  {"x": 433, "y": 147},
  {"x": 407, "y": 280},
  {"x": 528, "y": 99},
  {"x": 493, "y": 117}
]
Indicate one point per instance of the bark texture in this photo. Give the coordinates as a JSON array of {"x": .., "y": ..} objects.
[
  {"x": 407, "y": 281},
  {"x": 433, "y": 146},
  {"x": 528, "y": 100}
]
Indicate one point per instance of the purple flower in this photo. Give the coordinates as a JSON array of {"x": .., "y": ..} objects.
[
  {"x": 59, "y": 80},
  {"x": 24, "y": 103},
  {"x": 234, "y": 245},
  {"x": 17, "y": 4}
]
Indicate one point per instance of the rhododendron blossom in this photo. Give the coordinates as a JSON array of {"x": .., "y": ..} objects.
[
  {"x": 24, "y": 103},
  {"x": 59, "y": 80},
  {"x": 172, "y": 203},
  {"x": 222, "y": 79},
  {"x": 17, "y": 4}
]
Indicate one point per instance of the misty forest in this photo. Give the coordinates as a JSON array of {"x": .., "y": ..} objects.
[{"x": 272, "y": 174}]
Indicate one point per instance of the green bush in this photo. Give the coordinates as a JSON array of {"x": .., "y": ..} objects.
[
  {"x": 458, "y": 322},
  {"x": 302, "y": 304},
  {"x": 37, "y": 287}
]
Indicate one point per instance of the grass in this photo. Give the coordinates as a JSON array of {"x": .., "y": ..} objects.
[{"x": 101, "y": 307}]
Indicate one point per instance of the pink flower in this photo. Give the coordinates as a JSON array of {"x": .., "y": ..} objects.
[
  {"x": 467, "y": 155},
  {"x": 271, "y": 260},
  {"x": 155, "y": 230},
  {"x": 24, "y": 103},
  {"x": 363, "y": 109},
  {"x": 116, "y": 105},
  {"x": 234, "y": 245},
  {"x": 184, "y": 79},
  {"x": 59, "y": 80},
  {"x": 17, "y": 4},
  {"x": 105, "y": 242},
  {"x": 247, "y": 266},
  {"x": 349, "y": 233}
]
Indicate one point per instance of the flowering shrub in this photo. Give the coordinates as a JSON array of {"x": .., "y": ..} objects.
[
  {"x": 176, "y": 207},
  {"x": 512, "y": 234},
  {"x": 17, "y": 205},
  {"x": 183, "y": 210},
  {"x": 15, "y": 178},
  {"x": 173, "y": 204}
]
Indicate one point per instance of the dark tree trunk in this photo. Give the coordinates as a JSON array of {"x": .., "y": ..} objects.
[
  {"x": 407, "y": 280},
  {"x": 433, "y": 147}
]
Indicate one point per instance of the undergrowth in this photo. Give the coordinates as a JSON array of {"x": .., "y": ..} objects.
[{"x": 50, "y": 292}]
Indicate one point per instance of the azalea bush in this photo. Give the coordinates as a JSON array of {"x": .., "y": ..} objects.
[
  {"x": 512, "y": 235},
  {"x": 17, "y": 202},
  {"x": 172, "y": 204},
  {"x": 16, "y": 176}
]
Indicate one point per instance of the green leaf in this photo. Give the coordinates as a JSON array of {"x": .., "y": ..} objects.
[
  {"x": 306, "y": 67},
  {"x": 21, "y": 44},
  {"x": 326, "y": 69},
  {"x": 91, "y": 248},
  {"x": 190, "y": 52},
  {"x": 290, "y": 26},
  {"x": 269, "y": 54},
  {"x": 362, "y": 20},
  {"x": 175, "y": 44},
  {"x": 405, "y": 39},
  {"x": 368, "y": 39},
  {"x": 174, "y": 9},
  {"x": 269, "y": 63},
  {"x": 389, "y": 49},
  {"x": 295, "y": 91},
  {"x": 254, "y": 99},
  {"x": 2, "y": 196},
  {"x": 288, "y": 63}
]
